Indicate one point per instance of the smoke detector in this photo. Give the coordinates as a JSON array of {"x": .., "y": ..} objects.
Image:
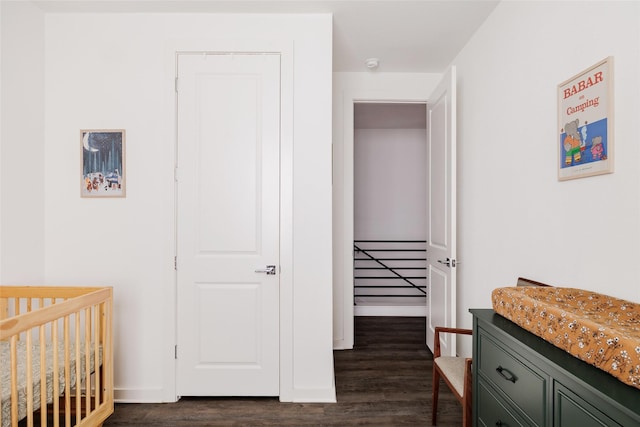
[{"x": 372, "y": 63}]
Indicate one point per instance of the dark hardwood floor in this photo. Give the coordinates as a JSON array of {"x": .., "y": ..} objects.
[{"x": 384, "y": 381}]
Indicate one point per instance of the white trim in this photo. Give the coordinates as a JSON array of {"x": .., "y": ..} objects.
[
  {"x": 286, "y": 222},
  {"x": 139, "y": 395},
  {"x": 350, "y": 98},
  {"x": 316, "y": 395},
  {"x": 387, "y": 89},
  {"x": 285, "y": 48},
  {"x": 347, "y": 222}
]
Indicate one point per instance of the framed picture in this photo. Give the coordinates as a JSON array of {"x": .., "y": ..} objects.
[
  {"x": 103, "y": 163},
  {"x": 585, "y": 122}
]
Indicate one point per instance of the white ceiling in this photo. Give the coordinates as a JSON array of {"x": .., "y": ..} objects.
[{"x": 407, "y": 36}]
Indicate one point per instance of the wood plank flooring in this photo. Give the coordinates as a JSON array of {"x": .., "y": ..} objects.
[{"x": 384, "y": 381}]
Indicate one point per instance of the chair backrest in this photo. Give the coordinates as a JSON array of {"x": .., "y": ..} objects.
[{"x": 528, "y": 282}]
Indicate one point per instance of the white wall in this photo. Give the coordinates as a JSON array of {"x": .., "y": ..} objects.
[
  {"x": 22, "y": 144},
  {"x": 1, "y": 134},
  {"x": 110, "y": 71},
  {"x": 348, "y": 88},
  {"x": 515, "y": 217},
  {"x": 390, "y": 182}
]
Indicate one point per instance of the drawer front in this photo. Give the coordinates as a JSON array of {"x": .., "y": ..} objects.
[
  {"x": 572, "y": 411},
  {"x": 492, "y": 412},
  {"x": 524, "y": 387}
]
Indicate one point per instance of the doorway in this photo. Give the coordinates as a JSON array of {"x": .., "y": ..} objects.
[
  {"x": 390, "y": 200},
  {"x": 438, "y": 92}
]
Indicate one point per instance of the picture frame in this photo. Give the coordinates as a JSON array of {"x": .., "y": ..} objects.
[
  {"x": 585, "y": 122},
  {"x": 102, "y": 172}
]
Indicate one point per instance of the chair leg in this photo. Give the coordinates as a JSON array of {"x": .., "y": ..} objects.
[
  {"x": 435, "y": 387},
  {"x": 467, "y": 412},
  {"x": 466, "y": 420}
]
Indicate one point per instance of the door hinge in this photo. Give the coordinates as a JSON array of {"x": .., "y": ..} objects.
[
  {"x": 176, "y": 84},
  {"x": 175, "y": 353},
  {"x": 175, "y": 174},
  {"x": 175, "y": 262}
]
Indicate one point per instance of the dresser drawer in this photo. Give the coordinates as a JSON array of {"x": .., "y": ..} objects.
[
  {"x": 492, "y": 412},
  {"x": 523, "y": 386},
  {"x": 572, "y": 411}
]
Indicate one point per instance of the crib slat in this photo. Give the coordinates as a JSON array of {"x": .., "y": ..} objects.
[
  {"x": 78, "y": 398},
  {"x": 96, "y": 334},
  {"x": 14, "y": 380},
  {"x": 29, "y": 374},
  {"x": 56, "y": 375},
  {"x": 107, "y": 358},
  {"x": 67, "y": 375},
  {"x": 87, "y": 360},
  {"x": 43, "y": 375},
  {"x": 16, "y": 308}
]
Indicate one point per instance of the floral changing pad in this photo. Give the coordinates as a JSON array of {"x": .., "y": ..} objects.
[{"x": 601, "y": 330}]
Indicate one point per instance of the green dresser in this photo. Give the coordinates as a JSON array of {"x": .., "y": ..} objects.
[{"x": 520, "y": 379}]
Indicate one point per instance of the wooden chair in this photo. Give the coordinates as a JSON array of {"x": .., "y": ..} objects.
[{"x": 456, "y": 373}]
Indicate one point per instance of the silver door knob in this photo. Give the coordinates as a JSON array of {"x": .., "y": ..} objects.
[
  {"x": 270, "y": 270},
  {"x": 448, "y": 262}
]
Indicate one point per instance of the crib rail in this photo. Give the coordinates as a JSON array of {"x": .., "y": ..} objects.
[
  {"x": 393, "y": 269},
  {"x": 57, "y": 355}
]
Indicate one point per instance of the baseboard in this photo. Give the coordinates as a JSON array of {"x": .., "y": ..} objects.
[
  {"x": 157, "y": 395},
  {"x": 325, "y": 395},
  {"x": 139, "y": 395},
  {"x": 390, "y": 310},
  {"x": 341, "y": 345}
]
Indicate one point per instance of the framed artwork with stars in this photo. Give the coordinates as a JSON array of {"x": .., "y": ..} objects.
[
  {"x": 585, "y": 122},
  {"x": 102, "y": 163}
]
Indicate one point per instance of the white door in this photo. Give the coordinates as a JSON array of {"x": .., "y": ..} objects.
[
  {"x": 228, "y": 224},
  {"x": 441, "y": 211}
]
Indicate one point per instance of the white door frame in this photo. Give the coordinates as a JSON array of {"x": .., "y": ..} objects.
[
  {"x": 285, "y": 49},
  {"x": 416, "y": 94}
]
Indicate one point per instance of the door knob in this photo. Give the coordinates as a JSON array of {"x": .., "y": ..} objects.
[
  {"x": 270, "y": 270},
  {"x": 448, "y": 262}
]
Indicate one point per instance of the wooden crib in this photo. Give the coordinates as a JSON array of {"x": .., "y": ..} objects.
[{"x": 56, "y": 365}]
